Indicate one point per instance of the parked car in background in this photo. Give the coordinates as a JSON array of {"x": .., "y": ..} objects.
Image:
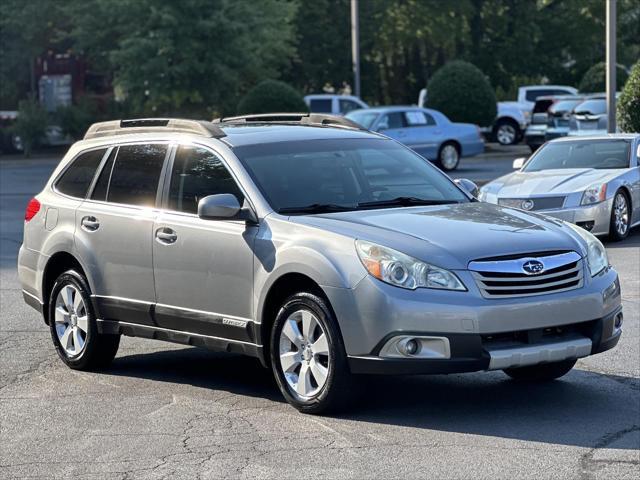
[
  {"x": 534, "y": 136},
  {"x": 428, "y": 132},
  {"x": 513, "y": 117},
  {"x": 9, "y": 141},
  {"x": 590, "y": 117},
  {"x": 592, "y": 181},
  {"x": 559, "y": 115},
  {"x": 333, "y": 103}
]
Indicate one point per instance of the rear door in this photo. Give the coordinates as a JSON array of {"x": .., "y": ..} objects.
[
  {"x": 203, "y": 268},
  {"x": 423, "y": 134},
  {"x": 114, "y": 231},
  {"x": 393, "y": 125}
]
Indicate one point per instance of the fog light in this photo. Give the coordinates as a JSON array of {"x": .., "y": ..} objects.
[
  {"x": 618, "y": 320},
  {"x": 411, "y": 347}
]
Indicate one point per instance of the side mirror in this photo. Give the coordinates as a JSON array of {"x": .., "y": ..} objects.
[
  {"x": 518, "y": 163},
  {"x": 468, "y": 186},
  {"x": 223, "y": 206}
]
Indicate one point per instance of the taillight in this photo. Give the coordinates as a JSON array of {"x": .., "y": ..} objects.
[{"x": 33, "y": 207}]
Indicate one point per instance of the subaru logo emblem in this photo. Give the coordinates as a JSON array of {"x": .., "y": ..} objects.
[
  {"x": 527, "y": 204},
  {"x": 533, "y": 267}
]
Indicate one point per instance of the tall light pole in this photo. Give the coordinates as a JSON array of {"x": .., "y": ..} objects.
[
  {"x": 611, "y": 66},
  {"x": 355, "y": 47}
]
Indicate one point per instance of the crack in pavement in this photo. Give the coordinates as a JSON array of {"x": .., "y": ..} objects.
[{"x": 588, "y": 464}]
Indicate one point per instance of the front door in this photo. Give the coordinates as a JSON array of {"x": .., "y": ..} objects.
[{"x": 203, "y": 268}]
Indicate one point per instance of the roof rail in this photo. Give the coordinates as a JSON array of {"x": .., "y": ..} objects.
[
  {"x": 151, "y": 125},
  {"x": 312, "y": 119}
]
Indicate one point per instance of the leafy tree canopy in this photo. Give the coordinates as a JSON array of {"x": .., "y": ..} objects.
[
  {"x": 271, "y": 96},
  {"x": 594, "y": 79}
]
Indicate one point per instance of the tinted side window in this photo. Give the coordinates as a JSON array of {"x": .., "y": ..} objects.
[
  {"x": 197, "y": 173},
  {"x": 135, "y": 174},
  {"x": 392, "y": 120},
  {"x": 320, "y": 105},
  {"x": 76, "y": 179}
]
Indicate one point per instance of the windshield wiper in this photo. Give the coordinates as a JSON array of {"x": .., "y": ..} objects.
[
  {"x": 317, "y": 208},
  {"x": 404, "y": 202}
]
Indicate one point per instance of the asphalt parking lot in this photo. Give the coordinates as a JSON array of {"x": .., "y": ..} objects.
[{"x": 168, "y": 411}]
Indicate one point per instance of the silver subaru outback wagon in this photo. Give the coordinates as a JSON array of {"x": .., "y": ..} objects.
[{"x": 322, "y": 249}]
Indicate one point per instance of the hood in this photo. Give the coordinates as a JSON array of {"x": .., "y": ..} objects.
[
  {"x": 548, "y": 182},
  {"x": 450, "y": 236}
]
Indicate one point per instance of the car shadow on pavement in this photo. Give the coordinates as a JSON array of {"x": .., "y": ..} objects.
[{"x": 578, "y": 410}]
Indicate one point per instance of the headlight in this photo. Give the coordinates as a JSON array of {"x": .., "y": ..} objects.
[
  {"x": 594, "y": 194},
  {"x": 596, "y": 254},
  {"x": 404, "y": 271}
]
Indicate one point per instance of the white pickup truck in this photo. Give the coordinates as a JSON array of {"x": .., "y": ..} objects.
[{"x": 513, "y": 117}]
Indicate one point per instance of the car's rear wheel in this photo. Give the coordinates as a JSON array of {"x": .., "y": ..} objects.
[
  {"x": 506, "y": 132},
  {"x": 73, "y": 325},
  {"x": 620, "y": 222},
  {"x": 449, "y": 156},
  {"x": 307, "y": 355},
  {"x": 541, "y": 373}
]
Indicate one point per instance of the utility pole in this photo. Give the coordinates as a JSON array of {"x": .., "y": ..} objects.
[
  {"x": 355, "y": 47},
  {"x": 611, "y": 66}
]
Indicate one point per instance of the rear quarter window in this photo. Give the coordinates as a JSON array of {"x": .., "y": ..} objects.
[{"x": 77, "y": 177}]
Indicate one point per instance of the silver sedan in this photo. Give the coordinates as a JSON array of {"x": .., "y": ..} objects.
[{"x": 592, "y": 181}]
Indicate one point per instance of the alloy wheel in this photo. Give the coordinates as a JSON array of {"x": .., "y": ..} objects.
[
  {"x": 71, "y": 320},
  {"x": 304, "y": 354},
  {"x": 506, "y": 134},
  {"x": 621, "y": 214},
  {"x": 449, "y": 157}
]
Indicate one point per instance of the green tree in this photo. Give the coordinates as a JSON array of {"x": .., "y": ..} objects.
[
  {"x": 188, "y": 57},
  {"x": 30, "y": 125},
  {"x": 463, "y": 93},
  {"x": 629, "y": 103},
  {"x": 271, "y": 96},
  {"x": 594, "y": 79}
]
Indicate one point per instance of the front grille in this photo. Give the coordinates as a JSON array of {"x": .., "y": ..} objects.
[
  {"x": 506, "y": 277},
  {"x": 536, "y": 203}
]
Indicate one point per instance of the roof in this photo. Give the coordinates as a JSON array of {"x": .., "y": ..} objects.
[{"x": 241, "y": 135}]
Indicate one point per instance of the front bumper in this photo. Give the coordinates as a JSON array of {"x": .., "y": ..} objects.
[
  {"x": 373, "y": 312},
  {"x": 470, "y": 352},
  {"x": 534, "y": 135},
  {"x": 596, "y": 218}
]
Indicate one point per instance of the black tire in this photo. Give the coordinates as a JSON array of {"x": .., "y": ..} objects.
[
  {"x": 337, "y": 391},
  {"x": 445, "y": 164},
  {"x": 614, "y": 234},
  {"x": 541, "y": 373},
  {"x": 99, "y": 349},
  {"x": 512, "y": 133}
]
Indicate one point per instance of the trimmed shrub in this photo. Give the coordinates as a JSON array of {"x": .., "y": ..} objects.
[
  {"x": 595, "y": 79},
  {"x": 462, "y": 92},
  {"x": 30, "y": 124},
  {"x": 629, "y": 103},
  {"x": 272, "y": 96}
]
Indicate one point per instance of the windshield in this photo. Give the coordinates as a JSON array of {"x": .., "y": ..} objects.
[
  {"x": 363, "y": 118},
  {"x": 315, "y": 176},
  {"x": 563, "y": 106},
  {"x": 581, "y": 154},
  {"x": 592, "y": 107}
]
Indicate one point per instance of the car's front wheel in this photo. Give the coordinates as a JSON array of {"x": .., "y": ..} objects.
[
  {"x": 506, "y": 132},
  {"x": 307, "y": 355},
  {"x": 541, "y": 373},
  {"x": 73, "y": 325},
  {"x": 620, "y": 222}
]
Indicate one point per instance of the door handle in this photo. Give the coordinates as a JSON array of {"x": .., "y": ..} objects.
[
  {"x": 166, "y": 236},
  {"x": 90, "y": 223}
]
